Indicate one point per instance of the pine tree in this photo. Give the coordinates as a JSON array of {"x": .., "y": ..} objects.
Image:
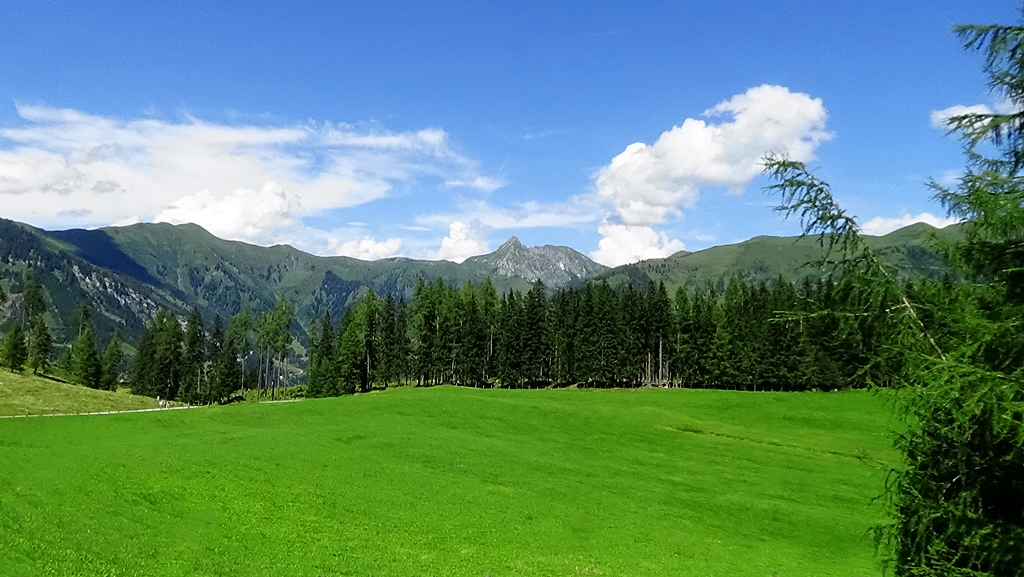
[
  {"x": 14, "y": 351},
  {"x": 471, "y": 357},
  {"x": 193, "y": 360},
  {"x": 323, "y": 358},
  {"x": 32, "y": 296},
  {"x": 510, "y": 334},
  {"x": 156, "y": 370},
  {"x": 704, "y": 335},
  {"x": 350, "y": 354},
  {"x": 659, "y": 323},
  {"x": 239, "y": 336},
  {"x": 534, "y": 338},
  {"x": 226, "y": 372},
  {"x": 633, "y": 337},
  {"x": 274, "y": 338},
  {"x": 86, "y": 368},
  {"x": 490, "y": 307},
  {"x": 40, "y": 346},
  {"x": 80, "y": 317},
  {"x": 112, "y": 360},
  {"x": 684, "y": 360}
]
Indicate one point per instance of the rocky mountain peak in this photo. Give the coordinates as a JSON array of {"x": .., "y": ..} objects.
[
  {"x": 511, "y": 243},
  {"x": 555, "y": 266}
]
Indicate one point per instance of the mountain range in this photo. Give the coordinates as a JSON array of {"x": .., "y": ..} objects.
[{"x": 124, "y": 274}]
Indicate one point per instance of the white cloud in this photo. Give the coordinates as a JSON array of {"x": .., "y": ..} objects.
[
  {"x": 575, "y": 211},
  {"x": 215, "y": 175},
  {"x": 1007, "y": 106},
  {"x": 879, "y": 226},
  {"x": 483, "y": 183},
  {"x": 242, "y": 214},
  {"x": 939, "y": 118},
  {"x": 649, "y": 183},
  {"x": 366, "y": 249},
  {"x": 461, "y": 243},
  {"x": 621, "y": 244}
]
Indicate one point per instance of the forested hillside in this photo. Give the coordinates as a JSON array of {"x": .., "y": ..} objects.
[{"x": 117, "y": 300}]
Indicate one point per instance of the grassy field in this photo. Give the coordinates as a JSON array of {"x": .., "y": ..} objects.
[
  {"x": 25, "y": 394},
  {"x": 447, "y": 481}
]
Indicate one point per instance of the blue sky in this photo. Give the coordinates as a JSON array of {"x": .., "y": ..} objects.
[{"x": 438, "y": 130}]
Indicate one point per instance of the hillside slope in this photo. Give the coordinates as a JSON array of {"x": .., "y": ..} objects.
[
  {"x": 764, "y": 258},
  {"x": 26, "y": 394},
  {"x": 116, "y": 299}
]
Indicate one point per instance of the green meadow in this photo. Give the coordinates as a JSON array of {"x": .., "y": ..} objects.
[
  {"x": 454, "y": 481},
  {"x": 25, "y": 394}
]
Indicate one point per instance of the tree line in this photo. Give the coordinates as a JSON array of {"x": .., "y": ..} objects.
[
  {"x": 197, "y": 364},
  {"x": 765, "y": 336}
]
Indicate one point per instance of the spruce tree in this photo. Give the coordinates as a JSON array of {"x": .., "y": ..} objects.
[
  {"x": 40, "y": 346},
  {"x": 80, "y": 318},
  {"x": 14, "y": 351},
  {"x": 490, "y": 307},
  {"x": 32, "y": 296},
  {"x": 193, "y": 360},
  {"x": 659, "y": 325},
  {"x": 684, "y": 357},
  {"x": 239, "y": 336},
  {"x": 534, "y": 339},
  {"x": 112, "y": 360},
  {"x": 156, "y": 370},
  {"x": 323, "y": 359},
  {"x": 226, "y": 373},
  {"x": 86, "y": 368}
]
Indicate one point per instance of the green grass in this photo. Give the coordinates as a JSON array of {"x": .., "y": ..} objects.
[
  {"x": 25, "y": 394},
  {"x": 448, "y": 481}
]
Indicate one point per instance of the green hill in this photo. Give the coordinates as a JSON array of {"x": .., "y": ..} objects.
[
  {"x": 25, "y": 394},
  {"x": 763, "y": 258},
  {"x": 447, "y": 481}
]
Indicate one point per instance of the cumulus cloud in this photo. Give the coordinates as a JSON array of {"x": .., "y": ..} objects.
[
  {"x": 461, "y": 243},
  {"x": 622, "y": 243},
  {"x": 367, "y": 248},
  {"x": 939, "y": 118},
  {"x": 242, "y": 214},
  {"x": 145, "y": 169},
  {"x": 879, "y": 225},
  {"x": 649, "y": 183}
]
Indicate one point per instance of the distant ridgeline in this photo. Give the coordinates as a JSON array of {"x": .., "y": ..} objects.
[{"x": 478, "y": 323}]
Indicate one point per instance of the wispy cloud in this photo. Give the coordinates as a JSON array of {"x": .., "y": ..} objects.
[{"x": 251, "y": 182}]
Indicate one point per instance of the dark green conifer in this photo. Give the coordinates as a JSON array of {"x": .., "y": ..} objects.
[
  {"x": 86, "y": 368},
  {"x": 113, "y": 357},
  {"x": 15, "y": 353},
  {"x": 40, "y": 346}
]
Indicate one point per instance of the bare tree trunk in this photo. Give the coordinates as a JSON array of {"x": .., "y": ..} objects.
[{"x": 661, "y": 366}]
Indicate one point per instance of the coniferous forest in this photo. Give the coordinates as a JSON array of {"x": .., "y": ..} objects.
[{"x": 775, "y": 336}]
